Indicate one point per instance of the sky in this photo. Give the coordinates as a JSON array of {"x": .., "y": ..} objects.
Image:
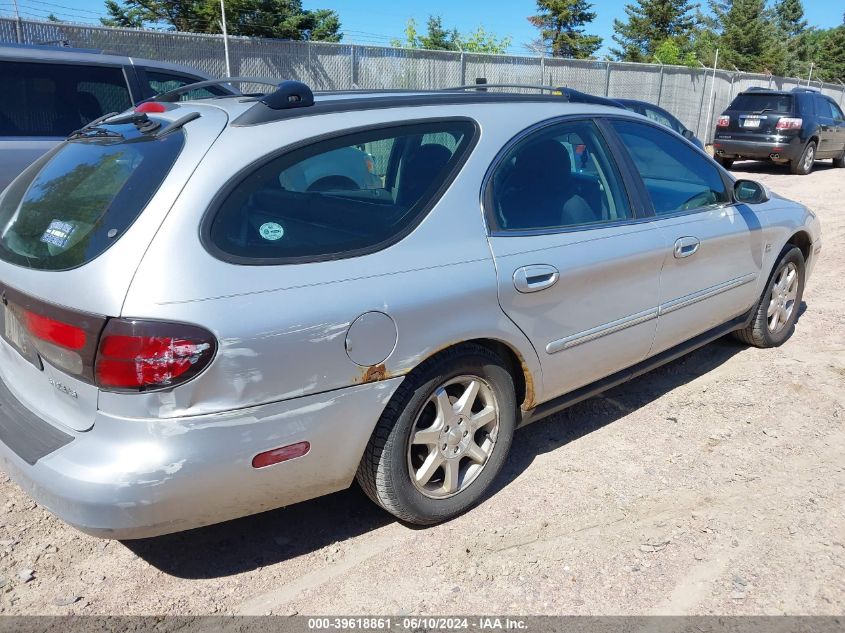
[{"x": 376, "y": 22}]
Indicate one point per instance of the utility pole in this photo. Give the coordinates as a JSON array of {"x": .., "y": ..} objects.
[
  {"x": 225, "y": 38},
  {"x": 17, "y": 22},
  {"x": 712, "y": 98}
]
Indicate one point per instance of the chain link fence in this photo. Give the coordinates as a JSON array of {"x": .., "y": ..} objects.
[{"x": 695, "y": 95}]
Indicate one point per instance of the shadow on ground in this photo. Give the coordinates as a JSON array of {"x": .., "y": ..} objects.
[
  {"x": 271, "y": 537},
  {"x": 768, "y": 167}
]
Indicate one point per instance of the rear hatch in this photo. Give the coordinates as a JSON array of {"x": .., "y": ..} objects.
[
  {"x": 755, "y": 115},
  {"x": 73, "y": 228}
]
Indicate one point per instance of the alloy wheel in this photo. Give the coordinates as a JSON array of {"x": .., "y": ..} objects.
[{"x": 453, "y": 437}]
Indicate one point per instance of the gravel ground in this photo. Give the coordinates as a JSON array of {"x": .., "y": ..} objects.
[{"x": 715, "y": 484}]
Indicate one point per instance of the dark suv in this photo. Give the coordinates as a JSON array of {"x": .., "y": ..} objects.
[{"x": 794, "y": 127}]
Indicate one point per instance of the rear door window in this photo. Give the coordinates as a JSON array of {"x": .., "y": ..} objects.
[
  {"x": 341, "y": 197},
  {"x": 73, "y": 203},
  {"x": 561, "y": 176},
  {"x": 41, "y": 99}
]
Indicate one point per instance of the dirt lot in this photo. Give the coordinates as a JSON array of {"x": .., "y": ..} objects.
[{"x": 715, "y": 484}]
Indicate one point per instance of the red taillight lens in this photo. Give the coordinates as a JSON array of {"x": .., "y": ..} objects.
[
  {"x": 723, "y": 121},
  {"x": 53, "y": 331},
  {"x": 142, "y": 355},
  {"x": 789, "y": 123}
]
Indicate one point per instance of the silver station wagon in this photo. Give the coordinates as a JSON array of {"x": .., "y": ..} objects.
[{"x": 212, "y": 308}]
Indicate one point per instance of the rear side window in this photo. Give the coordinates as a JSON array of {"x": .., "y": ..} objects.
[
  {"x": 340, "y": 197},
  {"x": 56, "y": 99},
  {"x": 762, "y": 102},
  {"x": 73, "y": 203},
  {"x": 677, "y": 177},
  {"x": 161, "y": 82}
]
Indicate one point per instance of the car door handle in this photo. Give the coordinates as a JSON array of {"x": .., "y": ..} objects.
[
  {"x": 686, "y": 246},
  {"x": 535, "y": 278}
]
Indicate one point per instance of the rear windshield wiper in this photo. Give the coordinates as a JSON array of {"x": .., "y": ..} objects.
[
  {"x": 94, "y": 132},
  {"x": 764, "y": 110}
]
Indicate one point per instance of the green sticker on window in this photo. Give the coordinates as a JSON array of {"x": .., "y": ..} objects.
[{"x": 271, "y": 231}]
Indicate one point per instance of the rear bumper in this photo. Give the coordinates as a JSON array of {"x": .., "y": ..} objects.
[
  {"x": 128, "y": 478},
  {"x": 788, "y": 149}
]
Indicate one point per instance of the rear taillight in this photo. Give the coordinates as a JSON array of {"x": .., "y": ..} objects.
[
  {"x": 789, "y": 123},
  {"x": 723, "y": 121},
  {"x": 137, "y": 355},
  {"x": 54, "y": 331}
]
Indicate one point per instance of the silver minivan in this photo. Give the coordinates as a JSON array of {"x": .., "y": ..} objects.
[
  {"x": 49, "y": 91},
  {"x": 193, "y": 331}
]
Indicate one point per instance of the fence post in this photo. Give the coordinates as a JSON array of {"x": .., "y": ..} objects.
[
  {"x": 18, "y": 23},
  {"x": 701, "y": 103},
  {"x": 660, "y": 84},
  {"x": 607, "y": 80},
  {"x": 353, "y": 64},
  {"x": 463, "y": 69},
  {"x": 543, "y": 70},
  {"x": 842, "y": 96}
]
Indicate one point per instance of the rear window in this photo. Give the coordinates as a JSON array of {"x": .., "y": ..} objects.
[
  {"x": 761, "y": 101},
  {"x": 161, "y": 82},
  {"x": 73, "y": 203},
  {"x": 56, "y": 99},
  {"x": 341, "y": 197}
]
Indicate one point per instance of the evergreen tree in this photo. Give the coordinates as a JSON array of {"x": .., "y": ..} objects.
[
  {"x": 285, "y": 19},
  {"x": 650, "y": 23},
  {"x": 789, "y": 16},
  {"x": 561, "y": 24},
  {"x": 830, "y": 60},
  {"x": 749, "y": 38}
]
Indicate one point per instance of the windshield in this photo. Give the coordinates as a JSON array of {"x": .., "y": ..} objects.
[
  {"x": 71, "y": 205},
  {"x": 761, "y": 101}
]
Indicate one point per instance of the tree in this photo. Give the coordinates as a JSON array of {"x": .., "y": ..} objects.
[
  {"x": 830, "y": 59},
  {"x": 285, "y": 19},
  {"x": 789, "y": 17},
  {"x": 674, "y": 53},
  {"x": 561, "y": 24},
  {"x": 650, "y": 23},
  {"x": 481, "y": 41},
  {"x": 438, "y": 38},
  {"x": 749, "y": 38}
]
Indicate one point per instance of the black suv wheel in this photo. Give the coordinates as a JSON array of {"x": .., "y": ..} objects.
[{"x": 804, "y": 165}]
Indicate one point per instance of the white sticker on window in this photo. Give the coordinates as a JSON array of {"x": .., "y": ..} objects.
[
  {"x": 58, "y": 233},
  {"x": 271, "y": 231}
]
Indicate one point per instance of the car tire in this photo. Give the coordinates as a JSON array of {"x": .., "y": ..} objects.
[
  {"x": 839, "y": 162},
  {"x": 804, "y": 165},
  {"x": 422, "y": 403},
  {"x": 781, "y": 301},
  {"x": 727, "y": 163}
]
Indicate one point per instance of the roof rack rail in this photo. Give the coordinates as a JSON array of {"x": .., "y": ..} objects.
[
  {"x": 172, "y": 96},
  {"x": 484, "y": 86},
  {"x": 569, "y": 94},
  {"x": 805, "y": 89}
]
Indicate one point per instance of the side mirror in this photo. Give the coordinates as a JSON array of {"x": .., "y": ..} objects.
[
  {"x": 750, "y": 192},
  {"x": 687, "y": 134}
]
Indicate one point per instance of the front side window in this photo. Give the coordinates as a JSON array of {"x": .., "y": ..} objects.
[
  {"x": 41, "y": 99},
  {"x": 677, "y": 177},
  {"x": 561, "y": 176},
  {"x": 340, "y": 197}
]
